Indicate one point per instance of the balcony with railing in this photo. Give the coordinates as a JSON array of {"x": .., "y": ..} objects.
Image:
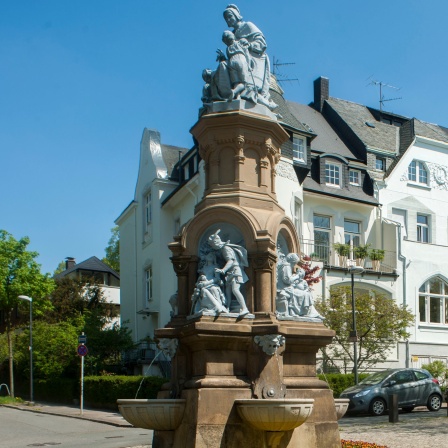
[{"x": 326, "y": 254}]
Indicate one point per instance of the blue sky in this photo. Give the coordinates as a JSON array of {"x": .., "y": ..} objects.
[{"x": 79, "y": 80}]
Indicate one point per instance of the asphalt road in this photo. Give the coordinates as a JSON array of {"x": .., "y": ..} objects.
[{"x": 20, "y": 429}]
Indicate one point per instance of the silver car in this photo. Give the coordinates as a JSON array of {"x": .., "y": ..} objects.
[{"x": 414, "y": 387}]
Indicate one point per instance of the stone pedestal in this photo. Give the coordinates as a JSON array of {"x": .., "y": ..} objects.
[{"x": 222, "y": 358}]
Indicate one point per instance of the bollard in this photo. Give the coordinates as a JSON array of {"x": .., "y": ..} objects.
[
  {"x": 393, "y": 408},
  {"x": 446, "y": 399}
]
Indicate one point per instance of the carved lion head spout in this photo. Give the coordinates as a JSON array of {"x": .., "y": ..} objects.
[{"x": 270, "y": 343}]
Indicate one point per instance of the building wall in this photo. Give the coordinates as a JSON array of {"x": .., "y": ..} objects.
[{"x": 423, "y": 261}]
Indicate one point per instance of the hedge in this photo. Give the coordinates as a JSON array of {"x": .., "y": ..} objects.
[
  {"x": 339, "y": 381},
  {"x": 103, "y": 391},
  {"x": 58, "y": 390}
]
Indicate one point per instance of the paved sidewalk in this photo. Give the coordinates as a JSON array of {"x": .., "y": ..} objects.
[
  {"x": 96, "y": 415},
  {"x": 418, "y": 429}
]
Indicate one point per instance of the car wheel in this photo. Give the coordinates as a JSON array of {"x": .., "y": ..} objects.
[
  {"x": 434, "y": 402},
  {"x": 377, "y": 406},
  {"x": 408, "y": 408}
]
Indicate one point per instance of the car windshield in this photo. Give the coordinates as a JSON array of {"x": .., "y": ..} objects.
[{"x": 375, "y": 378}]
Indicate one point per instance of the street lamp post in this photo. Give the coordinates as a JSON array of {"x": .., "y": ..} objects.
[
  {"x": 354, "y": 334},
  {"x": 29, "y": 299}
]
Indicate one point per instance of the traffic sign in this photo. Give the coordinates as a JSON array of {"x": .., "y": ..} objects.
[
  {"x": 82, "y": 339},
  {"x": 82, "y": 350}
]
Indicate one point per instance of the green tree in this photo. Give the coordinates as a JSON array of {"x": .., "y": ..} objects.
[
  {"x": 54, "y": 349},
  {"x": 20, "y": 275},
  {"x": 380, "y": 324},
  {"x": 60, "y": 268},
  {"x": 112, "y": 250},
  {"x": 82, "y": 298}
]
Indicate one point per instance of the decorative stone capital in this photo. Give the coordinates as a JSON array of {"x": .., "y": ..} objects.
[
  {"x": 270, "y": 343},
  {"x": 168, "y": 346},
  {"x": 239, "y": 142},
  {"x": 180, "y": 267}
]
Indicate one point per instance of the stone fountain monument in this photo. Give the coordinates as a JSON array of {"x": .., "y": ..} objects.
[{"x": 245, "y": 336}]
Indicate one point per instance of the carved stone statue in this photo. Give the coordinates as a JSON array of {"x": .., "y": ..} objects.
[
  {"x": 243, "y": 71},
  {"x": 236, "y": 260},
  {"x": 294, "y": 297},
  {"x": 174, "y": 304},
  {"x": 207, "y": 296}
]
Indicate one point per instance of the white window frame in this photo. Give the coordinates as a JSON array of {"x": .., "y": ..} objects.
[
  {"x": 299, "y": 148},
  {"x": 298, "y": 217},
  {"x": 358, "y": 175},
  {"x": 383, "y": 162},
  {"x": 331, "y": 168},
  {"x": 148, "y": 211},
  {"x": 423, "y": 228},
  {"x": 148, "y": 278},
  {"x": 416, "y": 171},
  {"x": 428, "y": 296},
  {"x": 352, "y": 235}
]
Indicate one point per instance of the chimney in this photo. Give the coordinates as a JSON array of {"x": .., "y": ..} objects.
[
  {"x": 69, "y": 262},
  {"x": 321, "y": 92}
]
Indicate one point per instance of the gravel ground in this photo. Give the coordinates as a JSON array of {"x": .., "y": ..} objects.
[{"x": 419, "y": 429}]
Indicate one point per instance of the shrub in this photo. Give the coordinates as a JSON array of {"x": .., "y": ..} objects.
[
  {"x": 103, "y": 391},
  {"x": 438, "y": 370},
  {"x": 58, "y": 390},
  {"x": 340, "y": 381}
]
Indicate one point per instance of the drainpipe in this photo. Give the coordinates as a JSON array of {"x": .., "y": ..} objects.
[{"x": 403, "y": 260}]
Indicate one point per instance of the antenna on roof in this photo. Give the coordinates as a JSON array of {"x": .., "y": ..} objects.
[
  {"x": 383, "y": 84},
  {"x": 280, "y": 76}
]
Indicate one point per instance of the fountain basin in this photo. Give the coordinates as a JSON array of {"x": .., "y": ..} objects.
[
  {"x": 155, "y": 414},
  {"x": 341, "y": 405},
  {"x": 275, "y": 415}
]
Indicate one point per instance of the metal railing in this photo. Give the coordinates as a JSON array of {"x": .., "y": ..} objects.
[{"x": 326, "y": 254}]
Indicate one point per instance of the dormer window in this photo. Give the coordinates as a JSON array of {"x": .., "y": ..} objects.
[
  {"x": 333, "y": 174},
  {"x": 380, "y": 164},
  {"x": 417, "y": 172},
  {"x": 354, "y": 177},
  {"x": 298, "y": 148}
]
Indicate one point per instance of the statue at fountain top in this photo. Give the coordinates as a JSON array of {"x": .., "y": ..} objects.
[{"x": 243, "y": 71}]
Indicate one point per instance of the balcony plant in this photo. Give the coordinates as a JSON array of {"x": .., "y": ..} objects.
[
  {"x": 377, "y": 256},
  {"x": 343, "y": 250},
  {"x": 360, "y": 253}
]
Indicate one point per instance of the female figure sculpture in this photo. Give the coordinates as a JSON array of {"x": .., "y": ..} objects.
[
  {"x": 294, "y": 295},
  {"x": 253, "y": 72}
]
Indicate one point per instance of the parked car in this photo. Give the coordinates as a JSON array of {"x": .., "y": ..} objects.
[{"x": 414, "y": 387}]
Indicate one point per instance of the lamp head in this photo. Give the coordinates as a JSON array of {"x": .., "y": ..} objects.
[
  {"x": 356, "y": 269},
  {"x": 25, "y": 298}
]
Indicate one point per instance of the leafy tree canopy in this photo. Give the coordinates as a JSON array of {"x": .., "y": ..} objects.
[
  {"x": 20, "y": 275},
  {"x": 380, "y": 324},
  {"x": 60, "y": 268},
  {"x": 54, "y": 349},
  {"x": 112, "y": 257}
]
